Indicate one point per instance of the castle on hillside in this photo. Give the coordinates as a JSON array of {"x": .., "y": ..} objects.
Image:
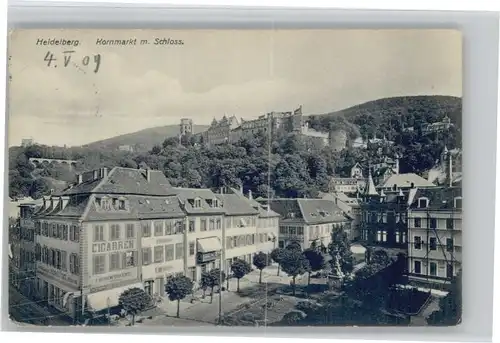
[{"x": 231, "y": 129}]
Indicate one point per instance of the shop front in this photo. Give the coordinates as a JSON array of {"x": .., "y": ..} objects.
[
  {"x": 58, "y": 289},
  {"x": 155, "y": 276},
  {"x": 104, "y": 291},
  {"x": 208, "y": 254}
]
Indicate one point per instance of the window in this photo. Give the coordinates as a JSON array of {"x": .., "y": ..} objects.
[
  {"x": 229, "y": 243},
  {"x": 115, "y": 232},
  {"x": 458, "y": 203},
  {"x": 212, "y": 225},
  {"x": 215, "y": 203},
  {"x": 423, "y": 202},
  {"x": 417, "y": 242},
  {"x": 203, "y": 225},
  {"x": 169, "y": 252},
  {"x": 146, "y": 229},
  {"x": 114, "y": 261},
  {"x": 397, "y": 236},
  {"x": 197, "y": 203},
  {"x": 219, "y": 224},
  {"x": 121, "y": 204},
  {"x": 283, "y": 230},
  {"x": 146, "y": 256},
  {"x": 130, "y": 231},
  {"x": 179, "y": 226},
  {"x": 281, "y": 244},
  {"x": 65, "y": 232},
  {"x": 179, "y": 251},
  {"x": 57, "y": 262},
  {"x": 449, "y": 223},
  {"x": 228, "y": 222},
  {"x": 130, "y": 259},
  {"x": 417, "y": 267},
  {"x": 191, "y": 248},
  {"x": 379, "y": 236},
  {"x": 403, "y": 237},
  {"x": 433, "y": 268},
  {"x": 98, "y": 233},
  {"x": 432, "y": 243},
  {"x": 158, "y": 228},
  {"x": 99, "y": 264},
  {"x": 433, "y": 223},
  {"x": 158, "y": 254},
  {"x": 384, "y": 236},
  {"x": 449, "y": 244},
  {"x": 191, "y": 226},
  {"x": 449, "y": 271},
  {"x": 300, "y": 231},
  {"x": 418, "y": 222}
]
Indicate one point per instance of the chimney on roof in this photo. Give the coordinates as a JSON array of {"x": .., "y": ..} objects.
[
  {"x": 103, "y": 172},
  {"x": 250, "y": 194},
  {"x": 96, "y": 174},
  {"x": 80, "y": 179},
  {"x": 241, "y": 188},
  {"x": 148, "y": 175}
]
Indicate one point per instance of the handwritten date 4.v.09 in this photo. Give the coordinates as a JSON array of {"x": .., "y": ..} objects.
[{"x": 68, "y": 57}]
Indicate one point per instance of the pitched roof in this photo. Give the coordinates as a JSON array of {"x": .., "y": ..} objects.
[
  {"x": 140, "y": 207},
  {"x": 188, "y": 195},
  {"x": 440, "y": 198},
  {"x": 125, "y": 181},
  {"x": 370, "y": 189},
  {"x": 235, "y": 204},
  {"x": 311, "y": 211},
  {"x": 320, "y": 211},
  {"x": 405, "y": 181}
]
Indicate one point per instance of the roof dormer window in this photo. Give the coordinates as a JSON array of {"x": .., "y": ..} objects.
[
  {"x": 197, "y": 203},
  {"x": 215, "y": 203},
  {"x": 423, "y": 203},
  {"x": 458, "y": 203}
]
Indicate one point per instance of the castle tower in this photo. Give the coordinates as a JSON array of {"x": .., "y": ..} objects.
[{"x": 186, "y": 126}]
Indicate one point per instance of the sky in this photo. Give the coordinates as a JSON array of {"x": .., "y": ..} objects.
[{"x": 245, "y": 73}]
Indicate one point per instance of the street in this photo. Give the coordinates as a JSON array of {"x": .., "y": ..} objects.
[{"x": 24, "y": 310}]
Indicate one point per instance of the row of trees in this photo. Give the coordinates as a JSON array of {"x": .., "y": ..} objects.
[{"x": 135, "y": 300}]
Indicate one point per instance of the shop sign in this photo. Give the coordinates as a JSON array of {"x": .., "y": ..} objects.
[
  {"x": 112, "y": 246},
  {"x": 161, "y": 241},
  {"x": 163, "y": 269},
  {"x": 208, "y": 256},
  {"x": 57, "y": 275}
]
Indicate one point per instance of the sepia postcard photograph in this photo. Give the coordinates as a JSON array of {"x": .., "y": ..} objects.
[{"x": 257, "y": 178}]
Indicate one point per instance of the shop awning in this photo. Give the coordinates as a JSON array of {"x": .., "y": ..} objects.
[
  {"x": 209, "y": 244},
  {"x": 109, "y": 298}
]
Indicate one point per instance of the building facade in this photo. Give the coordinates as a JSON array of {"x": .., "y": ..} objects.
[
  {"x": 308, "y": 221},
  {"x": 435, "y": 235},
  {"x": 384, "y": 216},
  {"x": 129, "y": 228}
]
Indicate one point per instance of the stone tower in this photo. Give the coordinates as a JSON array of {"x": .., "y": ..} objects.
[{"x": 186, "y": 126}]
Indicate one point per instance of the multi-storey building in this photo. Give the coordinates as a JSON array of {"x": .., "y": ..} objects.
[
  {"x": 129, "y": 228},
  {"x": 25, "y": 251},
  {"x": 440, "y": 126},
  {"x": 384, "y": 216},
  {"x": 435, "y": 235},
  {"x": 308, "y": 221},
  {"x": 88, "y": 239},
  {"x": 204, "y": 230},
  {"x": 352, "y": 208},
  {"x": 249, "y": 227}
]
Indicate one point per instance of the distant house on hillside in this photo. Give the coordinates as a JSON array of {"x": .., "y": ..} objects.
[{"x": 127, "y": 148}]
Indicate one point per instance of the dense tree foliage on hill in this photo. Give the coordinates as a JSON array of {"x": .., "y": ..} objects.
[{"x": 285, "y": 166}]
